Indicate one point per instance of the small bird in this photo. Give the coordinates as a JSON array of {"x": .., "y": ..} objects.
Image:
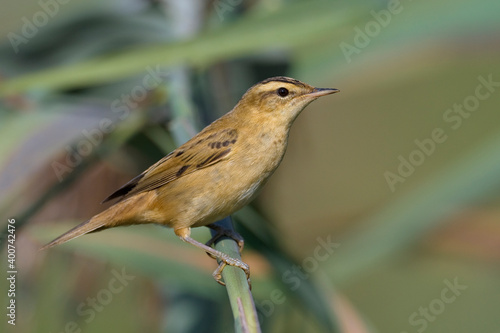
[{"x": 214, "y": 174}]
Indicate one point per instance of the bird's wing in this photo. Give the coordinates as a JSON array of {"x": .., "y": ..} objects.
[{"x": 198, "y": 153}]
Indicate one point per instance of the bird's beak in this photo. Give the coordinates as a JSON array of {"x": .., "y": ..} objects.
[{"x": 318, "y": 92}]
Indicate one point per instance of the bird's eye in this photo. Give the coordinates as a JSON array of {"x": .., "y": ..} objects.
[{"x": 283, "y": 92}]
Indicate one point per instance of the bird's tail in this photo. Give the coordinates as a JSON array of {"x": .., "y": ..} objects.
[{"x": 83, "y": 228}]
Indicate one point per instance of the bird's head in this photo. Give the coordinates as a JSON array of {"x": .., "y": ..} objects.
[{"x": 281, "y": 98}]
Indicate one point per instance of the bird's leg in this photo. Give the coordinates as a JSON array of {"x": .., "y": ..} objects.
[
  {"x": 221, "y": 231},
  {"x": 184, "y": 234}
]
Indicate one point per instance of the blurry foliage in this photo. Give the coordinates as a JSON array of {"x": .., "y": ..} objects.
[{"x": 86, "y": 66}]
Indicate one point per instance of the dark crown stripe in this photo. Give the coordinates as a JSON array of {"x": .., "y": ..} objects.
[{"x": 282, "y": 79}]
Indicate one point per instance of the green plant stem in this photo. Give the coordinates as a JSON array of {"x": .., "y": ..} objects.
[{"x": 238, "y": 289}]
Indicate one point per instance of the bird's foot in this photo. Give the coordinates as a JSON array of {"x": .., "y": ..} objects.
[
  {"x": 223, "y": 258},
  {"x": 227, "y": 260}
]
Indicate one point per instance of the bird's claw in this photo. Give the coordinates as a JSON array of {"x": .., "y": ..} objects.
[
  {"x": 217, "y": 274},
  {"x": 225, "y": 259}
]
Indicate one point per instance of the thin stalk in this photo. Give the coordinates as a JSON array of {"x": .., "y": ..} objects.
[{"x": 238, "y": 289}]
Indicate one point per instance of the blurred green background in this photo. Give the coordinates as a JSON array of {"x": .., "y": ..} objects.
[{"x": 383, "y": 217}]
